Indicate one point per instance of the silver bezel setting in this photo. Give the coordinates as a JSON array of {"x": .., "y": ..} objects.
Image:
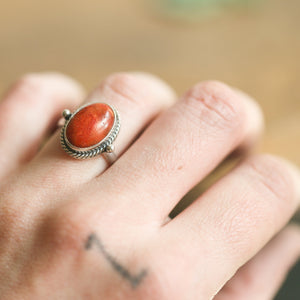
[{"x": 104, "y": 145}]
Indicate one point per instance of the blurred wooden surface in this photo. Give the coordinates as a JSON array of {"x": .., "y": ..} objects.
[{"x": 256, "y": 50}]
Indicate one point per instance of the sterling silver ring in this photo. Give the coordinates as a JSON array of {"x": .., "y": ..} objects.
[{"x": 90, "y": 130}]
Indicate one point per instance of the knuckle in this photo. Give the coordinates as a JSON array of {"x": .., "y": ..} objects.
[
  {"x": 124, "y": 86},
  {"x": 27, "y": 89},
  {"x": 236, "y": 224},
  {"x": 272, "y": 176},
  {"x": 216, "y": 104}
]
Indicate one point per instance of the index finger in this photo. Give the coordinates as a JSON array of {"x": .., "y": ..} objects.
[{"x": 235, "y": 218}]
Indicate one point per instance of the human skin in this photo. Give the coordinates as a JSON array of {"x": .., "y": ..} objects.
[{"x": 78, "y": 229}]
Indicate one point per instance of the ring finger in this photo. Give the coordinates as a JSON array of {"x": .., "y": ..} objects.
[
  {"x": 138, "y": 98},
  {"x": 181, "y": 147}
]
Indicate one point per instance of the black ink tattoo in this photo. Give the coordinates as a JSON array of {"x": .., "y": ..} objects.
[{"x": 134, "y": 280}]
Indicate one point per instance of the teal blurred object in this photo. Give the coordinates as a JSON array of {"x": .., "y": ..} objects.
[
  {"x": 189, "y": 9},
  {"x": 204, "y": 2}
]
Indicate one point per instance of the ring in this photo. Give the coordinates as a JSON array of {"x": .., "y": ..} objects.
[{"x": 90, "y": 130}]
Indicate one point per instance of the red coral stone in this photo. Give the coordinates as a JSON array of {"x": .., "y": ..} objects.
[{"x": 90, "y": 125}]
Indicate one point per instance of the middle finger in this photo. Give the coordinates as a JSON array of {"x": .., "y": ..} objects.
[{"x": 182, "y": 146}]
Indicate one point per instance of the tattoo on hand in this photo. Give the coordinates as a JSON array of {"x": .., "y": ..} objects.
[{"x": 134, "y": 280}]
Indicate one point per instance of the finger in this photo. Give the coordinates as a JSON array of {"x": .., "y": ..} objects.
[
  {"x": 262, "y": 276},
  {"x": 29, "y": 112},
  {"x": 182, "y": 146},
  {"x": 137, "y": 97},
  {"x": 237, "y": 216}
]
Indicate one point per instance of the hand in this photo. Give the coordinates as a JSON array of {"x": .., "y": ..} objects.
[{"x": 75, "y": 229}]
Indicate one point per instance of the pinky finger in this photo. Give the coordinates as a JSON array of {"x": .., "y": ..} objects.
[{"x": 262, "y": 276}]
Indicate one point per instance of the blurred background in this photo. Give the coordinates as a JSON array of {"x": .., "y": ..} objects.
[{"x": 253, "y": 45}]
